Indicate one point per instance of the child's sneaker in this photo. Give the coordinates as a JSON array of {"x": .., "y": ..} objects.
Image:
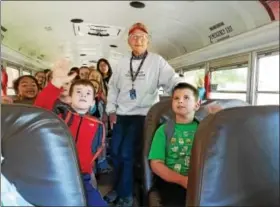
[
  {"x": 125, "y": 202},
  {"x": 111, "y": 197}
]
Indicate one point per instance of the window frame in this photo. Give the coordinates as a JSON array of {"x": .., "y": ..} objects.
[
  {"x": 13, "y": 67},
  {"x": 227, "y": 68},
  {"x": 194, "y": 68},
  {"x": 26, "y": 70},
  {"x": 256, "y": 90}
]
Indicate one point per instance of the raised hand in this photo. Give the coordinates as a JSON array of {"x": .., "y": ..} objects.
[{"x": 60, "y": 73}]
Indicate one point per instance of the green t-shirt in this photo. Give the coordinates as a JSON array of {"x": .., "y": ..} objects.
[{"x": 177, "y": 156}]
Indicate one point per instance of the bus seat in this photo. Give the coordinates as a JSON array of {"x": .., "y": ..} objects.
[
  {"x": 225, "y": 103},
  {"x": 235, "y": 159},
  {"x": 158, "y": 114},
  {"x": 40, "y": 157}
]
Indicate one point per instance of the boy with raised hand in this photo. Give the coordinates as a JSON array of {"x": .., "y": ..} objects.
[
  {"x": 88, "y": 132},
  {"x": 171, "y": 161}
]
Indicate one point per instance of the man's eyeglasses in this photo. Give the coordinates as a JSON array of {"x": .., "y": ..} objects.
[{"x": 139, "y": 36}]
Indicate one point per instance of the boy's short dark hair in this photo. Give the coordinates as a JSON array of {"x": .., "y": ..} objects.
[
  {"x": 184, "y": 85},
  {"x": 74, "y": 69},
  {"x": 47, "y": 70},
  {"x": 81, "y": 82}
]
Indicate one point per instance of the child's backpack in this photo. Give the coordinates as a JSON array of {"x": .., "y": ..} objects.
[
  {"x": 203, "y": 111},
  {"x": 169, "y": 129},
  {"x": 68, "y": 116},
  {"x": 168, "y": 118}
]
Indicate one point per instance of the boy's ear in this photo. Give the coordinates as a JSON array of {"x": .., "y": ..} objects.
[{"x": 197, "y": 105}]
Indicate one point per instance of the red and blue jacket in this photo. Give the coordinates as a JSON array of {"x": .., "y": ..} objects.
[{"x": 88, "y": 132}]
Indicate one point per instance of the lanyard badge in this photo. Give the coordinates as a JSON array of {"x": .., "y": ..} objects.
[{"x": 132, "y": 92}]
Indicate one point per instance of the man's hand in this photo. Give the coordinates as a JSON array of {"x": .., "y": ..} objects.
[
  {"x": 105, "y": 118},
  {"x": 60, "y": 73},
  {"x": 113, "y": 119}
]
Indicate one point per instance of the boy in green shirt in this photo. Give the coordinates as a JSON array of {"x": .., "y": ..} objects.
[{"x": 171, "y": 161}]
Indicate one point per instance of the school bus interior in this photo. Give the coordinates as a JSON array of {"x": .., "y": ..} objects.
[{"x": 232, "y": 46}]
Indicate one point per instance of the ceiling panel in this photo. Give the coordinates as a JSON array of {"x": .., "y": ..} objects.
[{"x": 176, "y": 27}]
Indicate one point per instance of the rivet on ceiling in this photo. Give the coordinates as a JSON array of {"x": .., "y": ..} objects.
[
  {"x": 137, "y": 4},
  {"x": 114, "y": 46}
]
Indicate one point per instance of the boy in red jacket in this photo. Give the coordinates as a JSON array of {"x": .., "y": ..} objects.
[{"x": 88, "y": 133}]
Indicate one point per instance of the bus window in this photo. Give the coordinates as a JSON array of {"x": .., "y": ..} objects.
[
  {"x": 160, "y": 91},
  {"x": 13, "y": 74},
  {"x": 26, "y": 72},
  {"x": 192, "y": 76},
  {"x": 229, "y": 83},
  {"x": 268, "y": 80}
]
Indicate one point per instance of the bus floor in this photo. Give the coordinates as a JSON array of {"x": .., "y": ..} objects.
[{"x": 104, "y": 182}]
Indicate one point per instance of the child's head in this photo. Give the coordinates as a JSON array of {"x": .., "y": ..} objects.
[
  {"x": 66, "y": 86},
  {"x": 185, "y": 99},
  {"x": 96, "y": 85},
  {"x": 95, "y": 75},
  {"x": 104, "y": 67},
  {"x": 41, "y": 78},
  {"x": 82, "y": 94},
  {"x": 49, "y": 76},
  {"x": 200, "y": 82},
  {"x": 65, "y": 89},
  {"x": 26, "y": 86},
  {"x": 84, "y": 72}
]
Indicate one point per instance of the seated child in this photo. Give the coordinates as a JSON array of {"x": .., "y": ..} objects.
[
  {"x": 88, "y": 132},
  {"x": 9, "y": 194},
  {"x": 171, "y": 161}
]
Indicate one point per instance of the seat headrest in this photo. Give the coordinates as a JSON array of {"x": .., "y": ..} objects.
[
  {"x": 224, "y": 103},
  {"x": 202, "y": 112},
  {"x": 235, "y": 159},
  {"x": 40, "y": 157}
]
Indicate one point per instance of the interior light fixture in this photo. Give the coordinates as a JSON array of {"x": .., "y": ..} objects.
[
  {"x": 77, "y": 20},
  {"x": 137, "y": 4}
]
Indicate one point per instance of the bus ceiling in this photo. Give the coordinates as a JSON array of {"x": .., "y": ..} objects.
[{"x": 45, "y": 30}]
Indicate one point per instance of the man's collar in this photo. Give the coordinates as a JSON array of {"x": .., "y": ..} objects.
[{"x": 139, "y": 57}]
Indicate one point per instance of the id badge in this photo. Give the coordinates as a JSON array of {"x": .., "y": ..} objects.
[{"x": 132, "y": 94}]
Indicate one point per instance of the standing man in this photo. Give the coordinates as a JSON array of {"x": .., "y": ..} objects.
[{"x": 133, "y": 89}]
